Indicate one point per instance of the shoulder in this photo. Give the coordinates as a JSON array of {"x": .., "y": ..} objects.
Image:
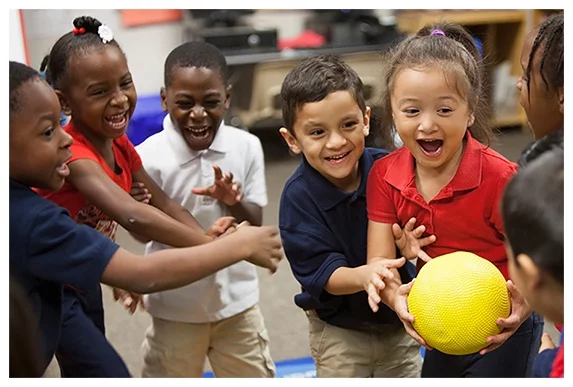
[
  {"x": 238, "y": 137},
  {"x": 495, "y": 163},
  {"x": 376, "y": 153},
  {"x": 150, "y": 146},
  {"x": 384, "y": 159},
  {"x": 296, "y": 186}
]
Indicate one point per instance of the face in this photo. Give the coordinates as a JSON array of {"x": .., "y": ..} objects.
[
  {"x": 430, "y": 117},
  {"x": 330, "y": 133},
  {"x": 524, "y": 277},
  {"x": 39, "y": 147},
  {"x": 99, "y": 94},
  {"x": 196, "y": 100},
  {"x": 543, "y": 107}
]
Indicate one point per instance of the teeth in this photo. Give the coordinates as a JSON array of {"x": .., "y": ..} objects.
[{"x": 337, "y": 157}]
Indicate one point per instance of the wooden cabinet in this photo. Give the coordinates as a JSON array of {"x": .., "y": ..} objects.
[{"x": 502, "y": 33}]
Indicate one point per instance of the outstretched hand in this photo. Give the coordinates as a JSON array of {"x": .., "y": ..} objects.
[
  {"x": 401, "y": 309},
  {"x": 373, "y": 278},
  {"x": 410, "y": 242},
  {"x": 223, "y": 189}
]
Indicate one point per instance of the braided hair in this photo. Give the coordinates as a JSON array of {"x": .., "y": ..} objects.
[
  {"x": 549, "y": 39},
  {"x": 82, "y": 40}
]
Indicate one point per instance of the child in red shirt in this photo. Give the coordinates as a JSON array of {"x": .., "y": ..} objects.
[{"x": 448, "y": 181}]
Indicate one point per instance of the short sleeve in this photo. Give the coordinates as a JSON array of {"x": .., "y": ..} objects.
[
  {"x": 496, "y": 219},
  {"x": 80, "y": 152},
  {"x": 379, "y": 203},
  {"x": 135, "y": 163},
  {"x": 308, "y": 246},
  {"x": 255, "y": 186},
  {"x": 62, "y": 251}
]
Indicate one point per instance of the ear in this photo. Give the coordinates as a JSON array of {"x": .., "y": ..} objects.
[
  {"x": 531, "y": 272},
  {"x": 163, "y": 95},
  {"x": 228, "y": 92},
  {"x": 290, "y": 140},
  {"x": 64, "y": 103},
  {"x": 561, "y": 95},
  {"x": 366, "y": 129},
  {"x": 471, "y": 120}
]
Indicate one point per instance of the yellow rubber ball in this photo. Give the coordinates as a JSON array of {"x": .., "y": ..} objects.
[{"x": 456, "y": 300}]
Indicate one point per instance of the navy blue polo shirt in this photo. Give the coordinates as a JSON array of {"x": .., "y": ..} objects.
[
  {"x": 324, "y": 228},
  {"x": 47, "y": 250}
]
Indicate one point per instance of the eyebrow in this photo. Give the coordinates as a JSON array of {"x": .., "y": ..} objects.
[
  {"x": 208, "y": 94},
  {"x": 45, "y": 117},
  {"x": 96, "y": 84},
  {"x": 443, "y": 98}
]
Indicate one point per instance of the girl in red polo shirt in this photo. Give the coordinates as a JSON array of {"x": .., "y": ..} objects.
[{"x": 448, "y": 178}]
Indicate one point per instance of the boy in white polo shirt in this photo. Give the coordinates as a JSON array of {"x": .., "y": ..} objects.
[{"x": 218, "y": 316}]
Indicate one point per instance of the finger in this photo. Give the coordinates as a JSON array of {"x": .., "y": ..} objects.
[
  {"x": 395, "y": 263},
  {"x": 373, "y": 293},
  {"x": 412, "y": 332},
  {"x": 405, "y": 289},
  {"x": 397, "y": 231},
  {"x": 426, "y": 241},
  {"x": 200, "y": 191},
  {"x": 373, "y": 304},
  {"x": 423, "y": 256},
  {"x": 137, "y": 184},
  {"x": 419, "y": 231},
  {"x": 228, "y": 177},
  {"x": 384, "y": 273},
  {"x": 410, "y": 224},
  {"x": 218, "y": 172},
  {"x": 243, "y": 223},
  {"x": 378, "y": 283}
]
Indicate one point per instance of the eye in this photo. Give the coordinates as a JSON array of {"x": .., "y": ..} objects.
[
  {"x": 350, "y": 124},
  {"x": 445, "y": 110},
  {"x": 212, "y": 104},
  {"x": 48, "y": 133},
  {"x": 317, "y": 132},
  {"x": 127, "y": 83},
  {"x": 411, "y": 111},
  {"x": 98, "y": 92},
  {"x": 184, "y": 105}
]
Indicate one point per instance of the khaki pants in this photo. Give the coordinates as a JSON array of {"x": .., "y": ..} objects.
[
  {"x": 236, "y": 347},
  {"x": 388, "y": 352}
]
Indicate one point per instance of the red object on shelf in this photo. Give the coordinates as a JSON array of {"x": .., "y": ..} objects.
[{"x": 308, "y": 39}]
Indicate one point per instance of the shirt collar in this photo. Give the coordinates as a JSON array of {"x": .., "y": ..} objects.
[
  {"x": 328, "y": 195},
  {"x": 401, "y": 173},
  {"x": 181, "y": 151}
]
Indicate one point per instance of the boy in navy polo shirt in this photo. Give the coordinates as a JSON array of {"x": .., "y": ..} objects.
[
  {"x": 323, "y": 224},
  {"x": 48, "y": 249}
]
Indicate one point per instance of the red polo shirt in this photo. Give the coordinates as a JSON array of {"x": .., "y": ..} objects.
[{"x": 464, "y": 215}]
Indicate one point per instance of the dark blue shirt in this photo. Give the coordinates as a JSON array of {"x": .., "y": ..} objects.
[
  {"x": 47, "y": 250},
  {"x": 324, "y": 228}
]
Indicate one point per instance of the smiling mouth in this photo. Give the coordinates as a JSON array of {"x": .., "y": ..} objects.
[
  {"x": 337, "y": 159},
  {"x": 117, "y": 121},
  {"x": 198, "y": 133},
  {"x": 431, "y": 148}
]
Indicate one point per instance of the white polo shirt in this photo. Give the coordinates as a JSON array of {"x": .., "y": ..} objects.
[{"x": 177, "y": 169}]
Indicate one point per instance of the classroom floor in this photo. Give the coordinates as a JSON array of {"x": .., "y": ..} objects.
[{"x": 287, "y": 325}]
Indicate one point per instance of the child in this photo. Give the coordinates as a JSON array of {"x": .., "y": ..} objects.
[
  {"x": 532, "y": 210},
  {"x": 542, "y": 97},
  {"x": 541, "y": 86},
  {"x": 48, "y": 249},
  {"x": 446, "y": 179},
  {"x": 217, "y": 317},
  {"x": 322, "y": 218},
  {"x": 90, "y": 74}
]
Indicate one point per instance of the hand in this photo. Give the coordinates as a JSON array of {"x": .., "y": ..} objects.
[
  {"x": 520, "y": 311},
  {"x": 139, "y": 192},
  {"x": 410, "y": 241},
  {"x": 263, "y": 243},
  {"x": 546, "y": 342},
  {"x": 220, "y": 226},
  {"x": 223, "y": 189},
  {"x": 401, "y": 309},
  {"x": 128, "y": 299},
  {"x": 373, "y": 278}
]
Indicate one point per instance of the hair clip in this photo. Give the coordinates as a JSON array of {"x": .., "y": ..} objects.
[
  {"x": 438, "y": 32},
  {"x": 105, "y": 33},
  {"x": 79, "y": 31}
]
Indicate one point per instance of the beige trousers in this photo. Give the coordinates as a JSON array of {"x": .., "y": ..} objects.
[
  {"x": 388, "y": 352},
  {"x": 236, "y": 347}
]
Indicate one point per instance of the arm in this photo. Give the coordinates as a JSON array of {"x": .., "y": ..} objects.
[
  {"x": 173, "y": 268},
  {"x": 93, "y": 183}
]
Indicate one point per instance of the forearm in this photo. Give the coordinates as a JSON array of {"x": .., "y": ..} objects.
[
  {"x": 247, "y": 211},
  {"x": 344, "y": 280},
  {"x": 153, "y": 224},
  {"x": 173, "y": 268}
]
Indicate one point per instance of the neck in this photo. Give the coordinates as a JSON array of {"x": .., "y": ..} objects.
[
  {"x": 102, "y": 144},
  {"x": 351, "y": 182}
]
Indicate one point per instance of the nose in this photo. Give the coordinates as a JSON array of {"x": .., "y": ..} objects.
[
  {"x": 65, "y": 139},
  {"x": 119, "y": 99},
  {"x": 197, "y": 112},
  {"x": 519, "y": 84},
  {"x": 427, "y": 124},
  {"x": 335, "y": 140}
]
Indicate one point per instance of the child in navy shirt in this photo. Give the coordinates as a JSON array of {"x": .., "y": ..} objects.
[
  {"x": 48, "y": 249},
  {"x": 323, "y": 223}
]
